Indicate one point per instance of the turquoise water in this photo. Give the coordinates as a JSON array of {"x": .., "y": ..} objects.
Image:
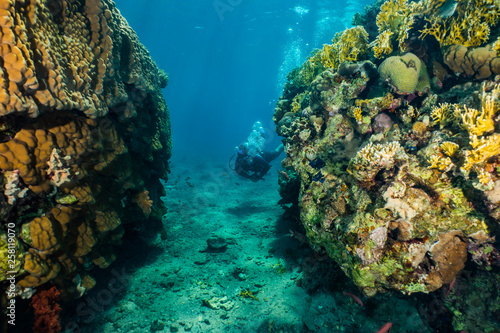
[{"x": 227, "y": 65}]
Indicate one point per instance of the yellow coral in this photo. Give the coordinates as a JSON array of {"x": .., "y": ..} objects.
[
  {"x": 480, "y": 123},
  {"x": 394, "y": 20},
  {"x": 391, "y": 14},
  {"x": 355, "y": 112},
  {"x": 382, "y": 45},
  {"x": 443, "y": 114},
  {"x": 248, "y": 294},
  {"x": 477, "y": 123},
  {"x": 469, "y": 26},
  {"x": 496, "y": 46},
  {"x": 440, "y": 162},
  {"x": 419, "y": 128},
  {"x": 449, "y": 148},
  {"x": 483, "y": 149},
  {"x": 484, "y": 177},
  {"x": 351, "y": 45}
]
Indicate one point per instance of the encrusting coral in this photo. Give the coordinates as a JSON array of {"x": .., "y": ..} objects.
[
  {"x": 78, "y": 162},
  {"x": 402, "y": 175}
]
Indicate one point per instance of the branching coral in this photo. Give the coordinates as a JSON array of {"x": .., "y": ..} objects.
[
  {"x": 496, "y": 46},
  {"x": 383, "y": 44},
  {"x": 350, "y": 45},
  {"x": 480, "y": 124},
  {"x": 482, "y": 149},
  {"x": 444, "y": 114},
  {"x": 469, "y": 27},
  {"x": 356, "y": 113},
  {"x": 441, "y": 163},
  {"x": 395, "y": 19}
]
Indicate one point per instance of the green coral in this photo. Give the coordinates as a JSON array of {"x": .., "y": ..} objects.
[{"x": 11, "y": 258}]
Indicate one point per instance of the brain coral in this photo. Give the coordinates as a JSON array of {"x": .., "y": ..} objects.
[
  {"x": 79, "y": 95},
  {"x": 403, "y": 72}
]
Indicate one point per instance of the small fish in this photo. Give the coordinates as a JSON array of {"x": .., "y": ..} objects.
[
  {"x": 283, "y": 174},
  {"x": 447, "y": 9},
  {"x": 357, "y": 300},
  {"x": 298, "y": 236},
  {"x": 451, "y": 286},
  {"x": 386, "y": 328}
]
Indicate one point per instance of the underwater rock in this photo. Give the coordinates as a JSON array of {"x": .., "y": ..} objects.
[
  {"x": 69, "y": 109},
  {"x": 216, "y": 244},
  {"x": 393, "y": 185}
]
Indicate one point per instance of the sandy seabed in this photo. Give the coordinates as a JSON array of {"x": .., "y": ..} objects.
[{"x": 228, "y": 264}]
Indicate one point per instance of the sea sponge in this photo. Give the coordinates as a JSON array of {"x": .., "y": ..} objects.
[
  {"x": 144, "y": 202},
  {"x": 403, "y": 72}
]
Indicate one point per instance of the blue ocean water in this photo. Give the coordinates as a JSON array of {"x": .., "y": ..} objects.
[{"x": 227, "y": 61}]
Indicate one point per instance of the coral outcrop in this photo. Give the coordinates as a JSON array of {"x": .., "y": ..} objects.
[
  {"x": 395, "y": 172},
  {"x": 84, "y": 140}
]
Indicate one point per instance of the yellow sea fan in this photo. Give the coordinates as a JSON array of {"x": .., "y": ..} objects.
[
  {"x": 469, "y": 26},
  {"x": 436, "y": 29}
]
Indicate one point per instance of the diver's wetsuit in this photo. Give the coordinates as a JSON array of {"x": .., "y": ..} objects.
[{"x": 254, "y": 168}]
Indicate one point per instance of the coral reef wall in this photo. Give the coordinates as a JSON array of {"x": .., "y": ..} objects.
[
  {"x": 84, "y": 140},
  {"x": 392, "y": 140}
]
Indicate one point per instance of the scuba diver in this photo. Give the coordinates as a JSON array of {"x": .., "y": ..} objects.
[
  {"x": 252, "y": 162},
  {"x": 254, "y": 167}
]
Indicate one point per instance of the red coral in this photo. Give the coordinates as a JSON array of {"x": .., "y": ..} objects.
[{"x": 46, "y": 310}]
